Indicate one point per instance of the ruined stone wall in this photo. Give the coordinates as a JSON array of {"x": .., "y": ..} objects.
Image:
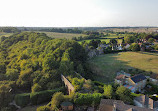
[{"x": 69, "y": 86}]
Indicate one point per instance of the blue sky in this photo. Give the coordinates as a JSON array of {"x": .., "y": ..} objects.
[{"x": 78, "y": 13}]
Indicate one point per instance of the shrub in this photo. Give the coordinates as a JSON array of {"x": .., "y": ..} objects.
[
  {"x": 108, "y": 91},
  {"x": 87, "y": 99},
  {"x": 98, "y": 83},
  {"x": 22, "y": 99},
  {"x": 135, "y": 47},
  {"x": 36, "y": 87},
  {"x": 42, "y": 96},
  {"x": 56, "y": 100},
  {"x": 43, "y": 108}
]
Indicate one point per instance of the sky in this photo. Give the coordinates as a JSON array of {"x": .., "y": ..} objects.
[{"x": 78, "y": 13}]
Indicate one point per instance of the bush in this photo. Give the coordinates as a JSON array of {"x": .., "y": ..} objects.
[
  {"x": 98, "y": 83},
  {"x": 135, "y": 47},
  {"x": 42, "y": 96},
  {"x": 22, "y": 99},
  {"x": 87, "y": 99},
  {"x": 43, "y": 108},
  {"x": 36, "y": 87},
  {"x": 56, "y": 100}
]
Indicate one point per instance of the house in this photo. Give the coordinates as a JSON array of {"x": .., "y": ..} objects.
[
  {"x": 67, "y": 106},
  {"x": 120, "y": 79},
  {"x": 100, "y": 50},
  {"x": 146, "y": 102},
  {"x": 138, "y": 81},
  {"x": 124, "y": 73},
  {"x": 127, "y": 46},
  {"x": 119, "y": 47},
  {"x": 154, "y": 79},
  {"x": 117, "y": 105}
]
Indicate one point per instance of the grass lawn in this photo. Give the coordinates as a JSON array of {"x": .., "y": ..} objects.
[
  {"x": 105, "y": 66},
  {"x": 62, "y": 35}
]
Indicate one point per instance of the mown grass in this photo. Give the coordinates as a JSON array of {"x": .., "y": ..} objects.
[{"x": 106, "y": 66}]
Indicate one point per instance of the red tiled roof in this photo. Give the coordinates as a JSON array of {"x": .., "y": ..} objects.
[{"x": 121, "y": 76}]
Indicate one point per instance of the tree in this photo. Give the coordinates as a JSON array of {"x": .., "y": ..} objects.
[
  {"x": 108, "y": 91},
  {"x": 124, "y": 94},
  {"x": 135, "y": 47},
  {"x": 12, "y": 74},
  {"x": 129, "y": 39},
  {"x": 113, "y": 42},
  {"x": 147, "y": 37},
  {"x": 36, "y": 88},
  {"x": 56, "y": 100},
  {"x": 150, "y": 40}
]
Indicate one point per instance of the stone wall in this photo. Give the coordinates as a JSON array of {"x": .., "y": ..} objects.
[{"x": 69, "y": 86}]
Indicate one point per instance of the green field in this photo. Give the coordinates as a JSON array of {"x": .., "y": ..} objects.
[
  {"x": 62, "y": 35},
  {"x": 106, "y": 40},
  {"x": 106, "y": 66},
  {"x": 114, "y": 35}
]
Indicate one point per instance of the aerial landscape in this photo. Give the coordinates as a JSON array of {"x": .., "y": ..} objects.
[{"x": 76, "y": 55}]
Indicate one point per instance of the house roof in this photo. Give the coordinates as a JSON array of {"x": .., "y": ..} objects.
[
  {"x": 154, "y": 76},
  {"x": 146, "y": 101},
  {"x": 138, "y": 78},
  {"x": 121, "y": 76},
  {"x": 125, "y": 107},
  {"x": 107, "y": 104},
  {"x": 110, "y": 105}
]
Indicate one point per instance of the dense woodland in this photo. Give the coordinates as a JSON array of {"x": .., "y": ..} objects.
[
  {"x": 9, "y": 29},
  {"x": 31, "y": 62}
]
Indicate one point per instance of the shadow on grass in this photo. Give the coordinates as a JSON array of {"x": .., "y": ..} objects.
[
  {"x": 150, "y": 53},
  {"x": 105, "y": 67}
]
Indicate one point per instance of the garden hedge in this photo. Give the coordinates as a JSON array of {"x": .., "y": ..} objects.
[
  {"x": 42, "y": 96},
  {"x": 22, "y": 99}
]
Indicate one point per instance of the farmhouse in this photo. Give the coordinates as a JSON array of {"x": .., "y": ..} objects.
[
  {"x": 146, "y": 102},
  {"x": 117, "y": 105}
]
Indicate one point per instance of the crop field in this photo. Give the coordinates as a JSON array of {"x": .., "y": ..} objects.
[
  {"x": 5, "y": 34},
  {"x": 136, "y": 30},
  {"x": 106, "y": 66},
  {"x": 63, "y": 35}
]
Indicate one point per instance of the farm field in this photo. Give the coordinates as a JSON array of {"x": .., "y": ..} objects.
[
  {"x": 106, "y": 66},
  {"x": 62, "y": 35},
  {"x": 106, "y": 40},
  {"x": 114, "y": 35},
  {"x": 5, "y": 34}
]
